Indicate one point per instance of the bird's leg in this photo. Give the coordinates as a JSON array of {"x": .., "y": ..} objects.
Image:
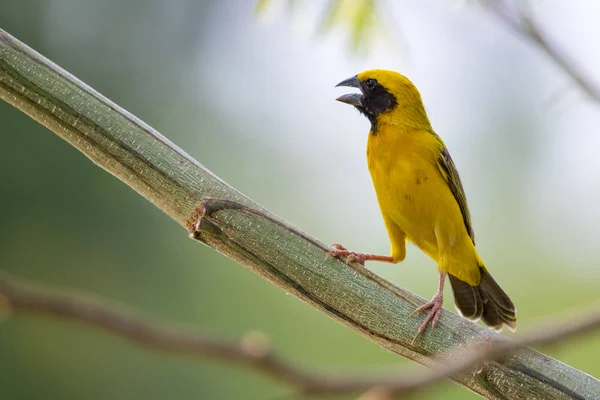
[
  {"x": 211, "y": 206},
  {"x": 435, "y": 304},
  {"x": 337, "y": 250}
]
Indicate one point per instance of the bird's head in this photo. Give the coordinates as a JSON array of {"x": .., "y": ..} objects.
[{"x": 386, "y": 97}]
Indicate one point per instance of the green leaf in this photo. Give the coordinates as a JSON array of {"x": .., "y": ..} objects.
[{"x": 261, "y": 6}]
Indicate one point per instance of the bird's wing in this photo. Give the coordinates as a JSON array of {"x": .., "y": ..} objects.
[{"x": 450, "y": 175}]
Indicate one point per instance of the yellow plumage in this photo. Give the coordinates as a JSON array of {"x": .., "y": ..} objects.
[{"x": 420, "y": 195}]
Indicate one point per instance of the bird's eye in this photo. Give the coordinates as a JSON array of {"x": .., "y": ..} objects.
[{"x": 370, "y": 83}]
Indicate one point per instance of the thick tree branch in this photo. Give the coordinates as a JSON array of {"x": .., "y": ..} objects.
[
  {"x": 351, "y": 294},
  {"x": 523, "y": 24},
  {"x": 18, "y": 296}
]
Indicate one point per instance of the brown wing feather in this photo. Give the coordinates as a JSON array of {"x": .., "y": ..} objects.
[{"x": 450, "y": 174}]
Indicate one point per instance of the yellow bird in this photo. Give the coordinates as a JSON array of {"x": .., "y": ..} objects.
[{"x": 422, "y": 199}]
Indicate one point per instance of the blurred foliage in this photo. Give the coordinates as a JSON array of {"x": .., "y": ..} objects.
[{"x": 357, "y": 17}]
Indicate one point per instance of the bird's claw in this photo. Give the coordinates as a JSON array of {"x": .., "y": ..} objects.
[
  {"x": 337, "y": 250},
  {"x": 435, "y": 304}
]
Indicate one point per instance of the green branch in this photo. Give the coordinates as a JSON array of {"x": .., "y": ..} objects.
[{"x": 154, "y": 167}]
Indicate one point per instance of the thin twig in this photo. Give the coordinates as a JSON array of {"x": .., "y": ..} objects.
[
  {"x": 524, "y": 25},
  {"x": 253, "y": 350}
]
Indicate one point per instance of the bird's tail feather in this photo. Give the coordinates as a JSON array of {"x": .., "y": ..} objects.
[{"x": 486, "y": 301}]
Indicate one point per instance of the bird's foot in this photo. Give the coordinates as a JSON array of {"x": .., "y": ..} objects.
[
  {"x": 337, "y": 251},
  {"x": 435, "y": 304}
]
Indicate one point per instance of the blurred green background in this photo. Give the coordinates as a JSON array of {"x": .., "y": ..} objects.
[{"x": 252, "y": 98}]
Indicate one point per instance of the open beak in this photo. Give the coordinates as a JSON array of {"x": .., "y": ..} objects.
[{"x": 351, "y": 98}]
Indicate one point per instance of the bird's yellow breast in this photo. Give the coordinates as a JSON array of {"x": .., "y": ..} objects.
[{"x": 414, "y": 196}]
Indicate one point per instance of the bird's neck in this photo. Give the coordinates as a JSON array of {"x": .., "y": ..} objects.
[
  {"x": 404, "y": 136},
  {"x": 405, "y": 116}
]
